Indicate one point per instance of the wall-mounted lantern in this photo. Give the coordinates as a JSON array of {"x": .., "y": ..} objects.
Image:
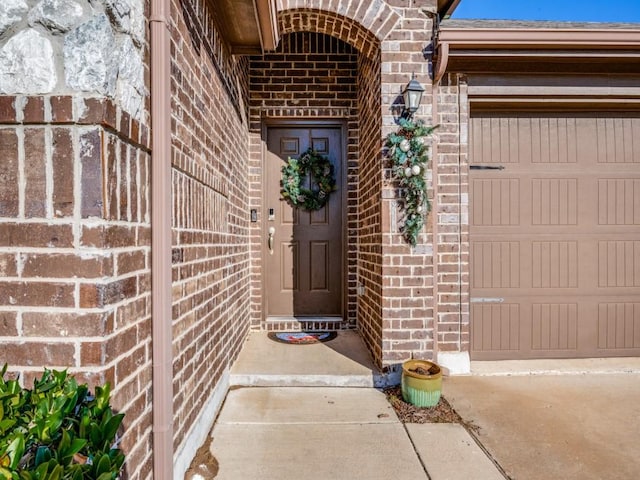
[{"x": 412, "y": 95}]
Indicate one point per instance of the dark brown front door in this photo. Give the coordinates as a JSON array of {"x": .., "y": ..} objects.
[{"x": 303, "y": 261}]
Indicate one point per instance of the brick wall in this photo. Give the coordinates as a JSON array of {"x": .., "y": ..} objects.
[
  {"x": 452, "y": 173},
  {"x": 74, "y": 235},
  {"x": 407, "y": 273},
  {"x": 404, "y": 289},
  {"x": 310, "y": 75},
  {"x": 74, "y": 206},
  {"x": 211, "y": 255},
  {"x": 370, "y": 220}
]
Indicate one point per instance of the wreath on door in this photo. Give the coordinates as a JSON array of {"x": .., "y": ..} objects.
[{"x": 308, "y": 181}]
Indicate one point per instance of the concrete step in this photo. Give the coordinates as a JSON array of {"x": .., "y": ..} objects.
[{"x": 341, "y": 362}]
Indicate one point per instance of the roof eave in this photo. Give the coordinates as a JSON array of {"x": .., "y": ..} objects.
[
  {"x": 539, "y": 38},
  {"x": 446, "y": 7}
]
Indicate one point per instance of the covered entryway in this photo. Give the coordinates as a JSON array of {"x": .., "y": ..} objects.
[
  {"x": 555, "y": 237},
  {"x": 303, "y": 255}
]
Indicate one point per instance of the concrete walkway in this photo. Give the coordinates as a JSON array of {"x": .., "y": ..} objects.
[
  {"x": 573, "y": 427},
  {"x": 322, "y": 433},
  {"x": 310, "y": 412}
]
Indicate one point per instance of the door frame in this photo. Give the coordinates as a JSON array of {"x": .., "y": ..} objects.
[{"x": 304, "y": 123}]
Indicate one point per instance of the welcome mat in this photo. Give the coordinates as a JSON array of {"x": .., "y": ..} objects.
[{"x": 302, "y": 338}]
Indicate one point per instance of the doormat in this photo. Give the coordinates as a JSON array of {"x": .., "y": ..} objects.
[{"x": 302, "y": 338}]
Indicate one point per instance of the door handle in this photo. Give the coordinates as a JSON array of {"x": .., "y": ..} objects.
[
  {"x": 272, "y": 231},
  {"x": 486, "y": 167}
]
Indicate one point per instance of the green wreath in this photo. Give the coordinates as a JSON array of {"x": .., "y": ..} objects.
[{"x": 321, "y": 180}]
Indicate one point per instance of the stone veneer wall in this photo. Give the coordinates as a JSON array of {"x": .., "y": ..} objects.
[
  {"x": 74, "y": 200},
  {"x": 71, "y": 46}
]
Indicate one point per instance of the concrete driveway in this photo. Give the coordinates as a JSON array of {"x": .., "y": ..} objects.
[{"x": 563, "y": 426}]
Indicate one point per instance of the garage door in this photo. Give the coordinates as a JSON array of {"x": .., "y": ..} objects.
[{"x": 555, "y": 235}]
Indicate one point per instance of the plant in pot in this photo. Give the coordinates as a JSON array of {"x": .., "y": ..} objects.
[{"x": 421, "y": 383}]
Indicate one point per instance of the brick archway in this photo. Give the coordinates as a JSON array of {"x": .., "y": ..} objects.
[
  {"x": 377, "y": 17},
  {"x": 362, "y": 25},
  {"x": 347, "y": 87}
]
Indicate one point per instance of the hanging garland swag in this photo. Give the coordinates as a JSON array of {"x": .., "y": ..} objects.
[
  {"x": 310, "y": 169},
  {"x": 409, "y": 154}
]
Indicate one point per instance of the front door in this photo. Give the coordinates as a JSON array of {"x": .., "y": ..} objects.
[{"x": 303, "y": 258}]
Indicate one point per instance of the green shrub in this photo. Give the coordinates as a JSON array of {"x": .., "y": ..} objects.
[{"x": 57, "y": 430}]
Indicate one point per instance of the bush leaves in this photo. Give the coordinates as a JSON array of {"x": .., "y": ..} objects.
[{"x": 57, "y": 430}]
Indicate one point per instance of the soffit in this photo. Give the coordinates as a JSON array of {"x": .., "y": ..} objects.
[
  {"x": 249, "y": 26},
  {"x": 446, "y": 7}
]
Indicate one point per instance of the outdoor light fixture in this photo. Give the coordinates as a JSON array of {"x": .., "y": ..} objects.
[{"x": 412, "y": 95}]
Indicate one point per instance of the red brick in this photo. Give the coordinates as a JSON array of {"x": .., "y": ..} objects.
[
  {"x": 63, "y": 172},
  {"x": 8, "y": 324},
  {"x": 40, "y": 354},
  {"x": 7, "y": 109},
  {"x": 35, "y": 172},
  {"x": 61, "y": 109},
  {"x": 94, "y": 295},
  {"x": 8, "y": 265},
  {"x": 92, "y": 181},
  {"x": 109, "y": 236},
  {"x": 41, "y": 294},
  {"x": 92, "y": 354},
  {"x": 130, "y": 262},
  {"x": 59, "y": 324},
  {"x": 93, "y": 112},
  {"x": 34, "y": 110},
  {"x": 63, "y": 265},
  {"x": 36, "y": 235},
  {"x": 9, "y": 196}
]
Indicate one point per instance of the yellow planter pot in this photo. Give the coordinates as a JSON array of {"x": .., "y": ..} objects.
[{"x": 421, "y": 390}]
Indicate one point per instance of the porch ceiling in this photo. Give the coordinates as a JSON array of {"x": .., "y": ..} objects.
[{"x": 249, "y": 26}]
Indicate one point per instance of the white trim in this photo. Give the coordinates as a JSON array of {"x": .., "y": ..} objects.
[
  {"x": 200, "y": 429},
  {"x": 455, "y": 363}
]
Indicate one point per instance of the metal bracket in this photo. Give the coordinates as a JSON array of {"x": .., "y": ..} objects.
[{"x": 487, "y": 300}]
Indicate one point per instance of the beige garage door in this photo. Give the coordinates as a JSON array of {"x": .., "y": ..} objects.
[{"x": 555, "y": 235}]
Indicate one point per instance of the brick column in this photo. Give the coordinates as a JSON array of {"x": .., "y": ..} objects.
[
  {"x": 407, "y": 273},
  {"x": 74, "y": 217}
]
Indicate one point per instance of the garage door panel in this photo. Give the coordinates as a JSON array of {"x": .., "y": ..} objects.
[
  {"x": 554, "y": 326},
  {"x": 501, "y": 146},
  {"x": 496, "y": 265},
  {"x": 617, "y": 140},
  {"x": 618, "y": 326},
  {"x": 554, "y": 201},
  {"x": 619, "y": 201},
  {"x": 499, "y": 329},
  {"x": 619, "y": 263},
  {"x": 554, "y": 264},
  {"x": 498, "y": 201},
  {"x": 555, "y": 238}
]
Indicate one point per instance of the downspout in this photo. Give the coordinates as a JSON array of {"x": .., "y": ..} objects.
[
  {"x": 434, "y": 181},
  {"x": 161, "y": 321}
]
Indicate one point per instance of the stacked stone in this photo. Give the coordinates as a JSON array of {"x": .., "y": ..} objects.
[{"x": 70, "y": 46}]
